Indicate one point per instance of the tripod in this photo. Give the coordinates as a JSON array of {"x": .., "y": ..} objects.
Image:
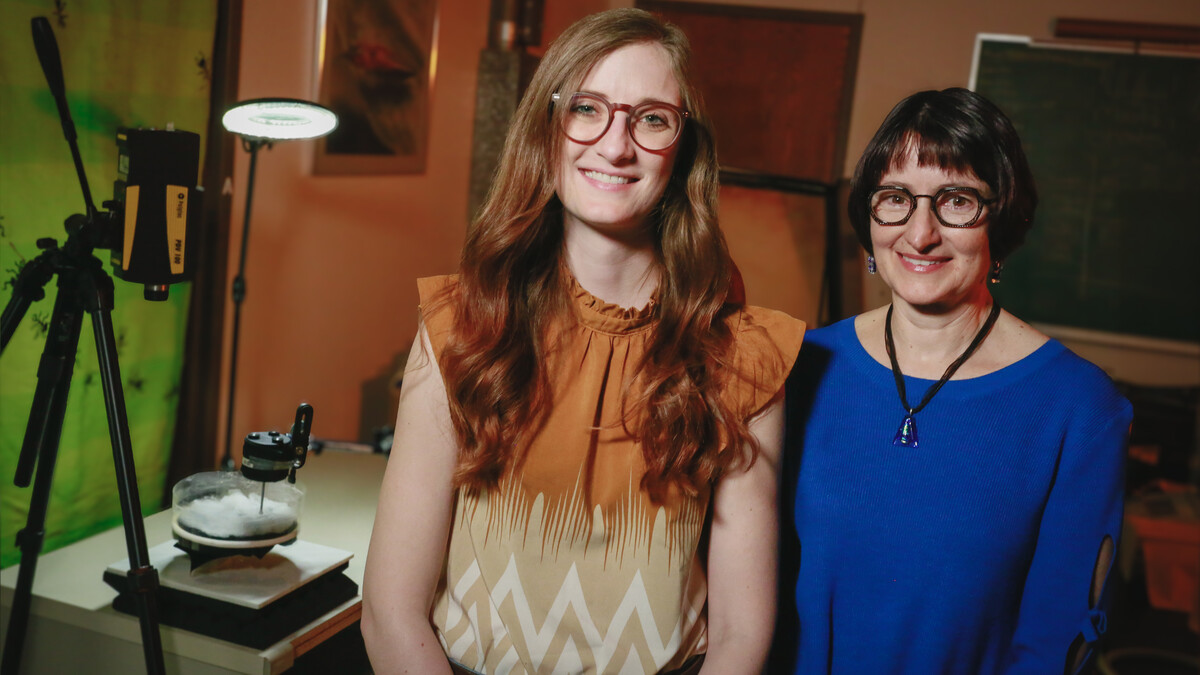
[{"x": 83, "y": 286}]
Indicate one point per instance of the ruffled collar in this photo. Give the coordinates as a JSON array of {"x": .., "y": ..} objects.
[{"x": 607, "y": 317}]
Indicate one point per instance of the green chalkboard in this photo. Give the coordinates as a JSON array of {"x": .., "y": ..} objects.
[{"x": 1113, "y": 139}]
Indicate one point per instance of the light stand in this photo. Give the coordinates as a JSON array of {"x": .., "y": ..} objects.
[{"x": 261, "y": 122}]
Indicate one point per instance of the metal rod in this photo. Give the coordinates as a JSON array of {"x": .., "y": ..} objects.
[{"x": 239, "y": 294}]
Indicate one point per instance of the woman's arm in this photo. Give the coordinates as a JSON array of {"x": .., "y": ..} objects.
[
  {"x": 742, "y": 556},
  {"x": 412, "y": 522},
  {"x": 1063, "y": 605}
]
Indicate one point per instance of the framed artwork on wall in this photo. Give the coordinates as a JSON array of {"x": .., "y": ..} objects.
[{"x": 376, "y": 62}]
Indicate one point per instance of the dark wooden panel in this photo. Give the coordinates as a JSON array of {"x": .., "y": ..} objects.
[{"x": 777, "y": 83}]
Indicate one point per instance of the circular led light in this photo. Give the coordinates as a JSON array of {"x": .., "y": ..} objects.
[{"x": 279, "y": 119}]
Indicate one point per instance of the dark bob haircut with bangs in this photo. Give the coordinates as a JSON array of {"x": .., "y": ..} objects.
[{"x": 957, "y": 130}]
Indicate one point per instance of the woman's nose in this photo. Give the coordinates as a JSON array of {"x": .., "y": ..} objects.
[
  {"x": 923, "y": 230},
  {"x": 616, "y": 145}
]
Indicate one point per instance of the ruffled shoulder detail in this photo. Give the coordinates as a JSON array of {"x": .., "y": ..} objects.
[
  {"x": 438, "y": 297},
  {"x": 766, "y": 343},
  {"x": 607, "y": 317}
]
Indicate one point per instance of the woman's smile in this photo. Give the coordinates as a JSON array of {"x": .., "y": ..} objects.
[{"x": 607, "y": 179}]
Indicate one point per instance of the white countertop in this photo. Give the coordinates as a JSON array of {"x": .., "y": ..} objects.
[{"x": 342, "y": 490}]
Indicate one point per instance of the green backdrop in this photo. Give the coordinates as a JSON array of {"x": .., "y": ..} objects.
[{"x": 142, "y": 64}]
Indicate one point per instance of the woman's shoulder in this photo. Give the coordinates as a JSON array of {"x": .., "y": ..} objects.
[
  {"x": 1027, "y": 349},
  {"x": 436, "y": 297},
  {"x": 765, "y": 345},
  {"x": 433, "y": 288},
  {"x": 770, "y": 331},
  {"x": 838, "y": 332},
  {"x": 1052, "y": 377},
  {"x": 749, "y": 316},
  {"x": 1083, "y": 380}
]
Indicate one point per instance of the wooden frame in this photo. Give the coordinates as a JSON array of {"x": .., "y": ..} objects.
[
  {"x": 376, "y": 62},
  {"x": 777, "y": 83},
  {"x": 1092, "y": 29}
]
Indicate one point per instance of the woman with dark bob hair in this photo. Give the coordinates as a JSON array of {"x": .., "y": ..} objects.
[
  {"x": 954, "y": 477},
  {"x": 584, "y": 473}
]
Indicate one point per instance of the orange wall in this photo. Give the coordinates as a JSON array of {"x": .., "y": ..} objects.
[{"x": 331, "y": 262}]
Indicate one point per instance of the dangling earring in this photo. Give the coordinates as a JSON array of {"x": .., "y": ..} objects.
[
  {"x": 997, "y": 270},
  {"x": 871, "y": 264}
]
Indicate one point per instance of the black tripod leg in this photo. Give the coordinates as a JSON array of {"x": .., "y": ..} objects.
[
  {"x": 27, "y": 287},
  {"x": 41, "y": 445},
  {"x": 143, "y": 578},
  {"x": 13, "y": 312}
]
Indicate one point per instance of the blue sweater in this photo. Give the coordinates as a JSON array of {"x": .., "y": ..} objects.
[{"x": 972, "y": 553}]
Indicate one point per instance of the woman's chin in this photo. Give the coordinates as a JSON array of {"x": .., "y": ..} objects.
[{"x": 931, "y": 302}]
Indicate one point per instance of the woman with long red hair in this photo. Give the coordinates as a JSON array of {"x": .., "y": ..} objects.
[{"x": 583, "y": 476}]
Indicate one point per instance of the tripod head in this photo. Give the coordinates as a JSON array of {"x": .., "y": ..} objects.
[{"x": 155, "y": 195}]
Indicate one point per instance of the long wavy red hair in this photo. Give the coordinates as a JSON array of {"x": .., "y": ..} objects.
[{"x": 511, "y": 287}]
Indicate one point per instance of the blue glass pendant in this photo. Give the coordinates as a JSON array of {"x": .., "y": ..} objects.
[{"x": 907, "y": 434}]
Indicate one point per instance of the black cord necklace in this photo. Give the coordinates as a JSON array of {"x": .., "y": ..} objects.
[{"x": 907, "y": 434}]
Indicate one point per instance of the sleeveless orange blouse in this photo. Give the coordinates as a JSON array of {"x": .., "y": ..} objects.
[{"x": 568, "y": 566}]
